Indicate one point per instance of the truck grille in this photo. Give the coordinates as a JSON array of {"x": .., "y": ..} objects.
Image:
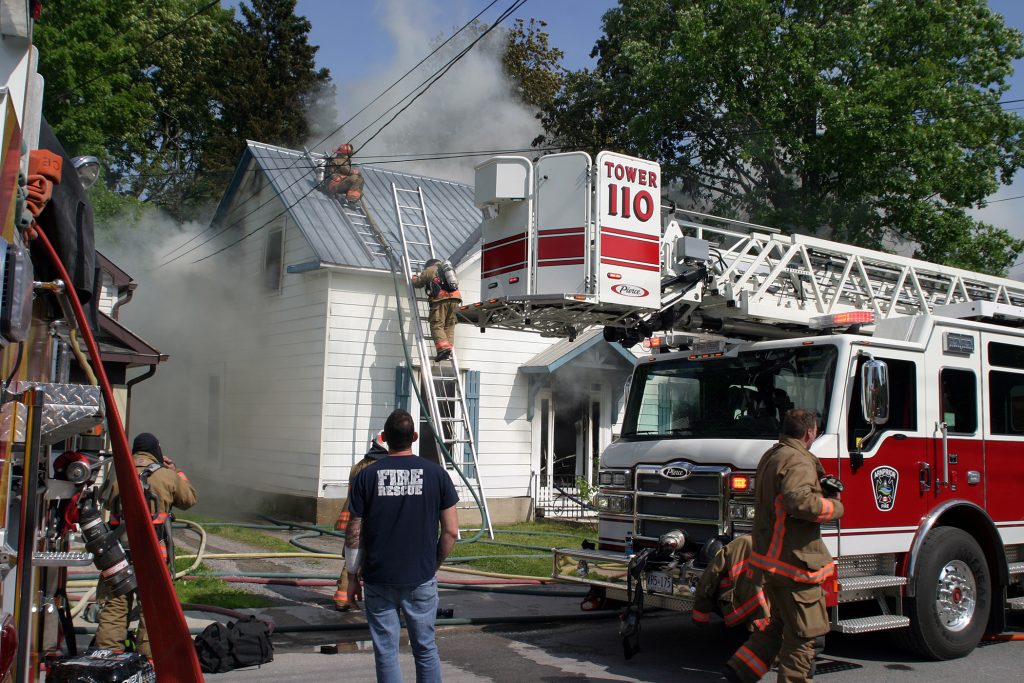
[{"x": 682, "y": 496}]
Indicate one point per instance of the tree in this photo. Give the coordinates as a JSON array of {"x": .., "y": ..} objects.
[
  {"x": 532, "y": 64},
  {"x": 873, "y": 122},
  {"x": 166, "y": 92},
  {"x": 128, "y": 82}
]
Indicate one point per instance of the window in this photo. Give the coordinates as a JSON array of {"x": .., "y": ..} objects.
[
  {"x": 274, "y": 261},
  {"x": 902, "y": 402},
  {"x": 958, "y": 401},
  {"x": 1006, "y": 355},
  {"x": 1006, "y": 402}
]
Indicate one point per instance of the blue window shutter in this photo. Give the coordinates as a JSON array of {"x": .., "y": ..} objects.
[
  {"x": 401, "y": 387},
  {"x": 473, "y": 408}
]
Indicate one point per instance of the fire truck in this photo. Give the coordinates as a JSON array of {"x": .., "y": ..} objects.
[
  {"x": 55, "y": 400},
  {"x": 915, "y": 369}
]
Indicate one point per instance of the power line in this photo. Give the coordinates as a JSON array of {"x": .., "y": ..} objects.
[
  {"x": 1005, "y": 199},
  {"x": 141, "y": 50},
  {"x": 293, "y": 183}
]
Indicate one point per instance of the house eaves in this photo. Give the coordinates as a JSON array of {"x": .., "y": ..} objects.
[{"x": 121, "y": 345}]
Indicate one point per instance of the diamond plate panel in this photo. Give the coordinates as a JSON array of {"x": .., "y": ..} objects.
[{"x": 68, "y": 409}]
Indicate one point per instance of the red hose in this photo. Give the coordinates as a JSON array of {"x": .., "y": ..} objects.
[{"x": 174, "y": 655}]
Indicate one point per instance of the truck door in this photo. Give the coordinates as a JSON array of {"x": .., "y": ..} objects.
[
  {"x": 1003, "y": 384},
  {"x": 885, "y": 493},
  {"x": 954, "y": 417}
]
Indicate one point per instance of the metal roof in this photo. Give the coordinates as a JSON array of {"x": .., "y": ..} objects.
[
  {"x": 565, "y": 351},
  {"x": 331, "y": 233}
]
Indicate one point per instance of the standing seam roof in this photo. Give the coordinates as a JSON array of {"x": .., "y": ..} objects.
[{"x": 453, "y": 217}]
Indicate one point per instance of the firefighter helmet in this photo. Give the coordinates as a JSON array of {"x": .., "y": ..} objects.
[{"x": 344, "y": 149}]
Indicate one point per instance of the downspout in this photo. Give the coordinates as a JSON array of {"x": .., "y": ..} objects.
[
  {"x": 128, "y": 398},
  {"x": 124, "y": 298}
]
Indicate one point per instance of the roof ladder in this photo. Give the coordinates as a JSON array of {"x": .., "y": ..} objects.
[{"x": 442, "y": 382}]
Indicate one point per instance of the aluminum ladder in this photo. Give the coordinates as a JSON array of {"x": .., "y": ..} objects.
[{"x": 441, "y": 382}]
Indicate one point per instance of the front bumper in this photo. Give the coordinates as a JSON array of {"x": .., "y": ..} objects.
[{"x": 608, "y": 570}]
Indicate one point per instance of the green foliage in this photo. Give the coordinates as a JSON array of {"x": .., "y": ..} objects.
[
  {"x": 167, "y": 105},
  {"x": 532, "y": 64},
  {"x": 873, "y": 122}
]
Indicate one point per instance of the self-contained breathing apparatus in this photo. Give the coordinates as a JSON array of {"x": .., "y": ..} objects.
[{"x": 667, "y": 555}]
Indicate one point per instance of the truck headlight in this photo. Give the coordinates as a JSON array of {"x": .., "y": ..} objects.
[
  {"x": 607, "y": 502},
  {"x": 617, "y": 478},
  {"x": 741, "y": 512}
]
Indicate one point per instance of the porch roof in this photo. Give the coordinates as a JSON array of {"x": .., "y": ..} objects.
[{"x": 563, "y": 352}]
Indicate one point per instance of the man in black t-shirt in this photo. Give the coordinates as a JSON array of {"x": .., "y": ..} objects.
[{"x": 397, "y": 504}]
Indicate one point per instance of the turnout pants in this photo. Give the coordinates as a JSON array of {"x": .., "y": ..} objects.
[
  {"x": 112, "y": 629},
  {"x": 798, "y": 617},
  {"x": 442, "y": 322}
]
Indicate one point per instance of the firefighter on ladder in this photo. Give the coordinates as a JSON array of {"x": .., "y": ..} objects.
[
  {"x": 164, "y": 487},
  {"x": 346, "y": 594},
  {"x": 342, "y": 179},
  {"x": 790, "y": 507},
  {"x": 442, "y": 287}
]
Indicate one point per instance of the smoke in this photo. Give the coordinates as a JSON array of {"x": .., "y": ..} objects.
[{"x": 472, "y": 107}]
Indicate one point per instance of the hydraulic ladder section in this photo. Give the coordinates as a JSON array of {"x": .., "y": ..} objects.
[
  {"x": 442, "y": 382},
  {"x": 740, "y": 274}
]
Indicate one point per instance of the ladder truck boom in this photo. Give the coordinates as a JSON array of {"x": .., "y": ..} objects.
[{"x": 913, "y": 368}]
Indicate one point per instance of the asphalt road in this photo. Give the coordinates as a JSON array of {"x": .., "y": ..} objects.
[{"x": 672, "y": 650}]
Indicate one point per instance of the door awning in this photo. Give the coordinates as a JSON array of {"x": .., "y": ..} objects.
[{"x": 567, "y": 352}]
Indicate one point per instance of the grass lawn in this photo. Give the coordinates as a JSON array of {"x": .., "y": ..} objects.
[
  {"x": 253, "y": 537},
  {"x": 549, "y": 534},
  {"x": 209, "y": 590}
]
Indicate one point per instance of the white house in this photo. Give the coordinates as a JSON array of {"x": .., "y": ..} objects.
[{"x": 287, "y": 390}]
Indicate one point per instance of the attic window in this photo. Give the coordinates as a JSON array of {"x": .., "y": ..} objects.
[{"x": 274, "y": 261}]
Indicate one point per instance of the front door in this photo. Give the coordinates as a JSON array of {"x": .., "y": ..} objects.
[{"x": 954, "y": 414}]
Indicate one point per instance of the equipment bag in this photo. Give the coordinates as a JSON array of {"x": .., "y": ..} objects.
[{"x": 238, "y": 644}]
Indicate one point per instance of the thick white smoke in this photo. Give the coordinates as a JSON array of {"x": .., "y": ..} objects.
[{"x": 472, "y": 107}]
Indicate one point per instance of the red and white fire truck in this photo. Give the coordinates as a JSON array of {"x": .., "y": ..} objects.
[
  {"x": 916, "y": 371},
  {"x": 46, "y": 418}
]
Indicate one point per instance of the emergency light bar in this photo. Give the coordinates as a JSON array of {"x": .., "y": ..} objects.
[{"x": 846, "y": 319}]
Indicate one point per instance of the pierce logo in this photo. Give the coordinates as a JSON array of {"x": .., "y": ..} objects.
[
  {"x": 630, "y": 290},
  {"x": 884, "y": 481},
  {"x": 675, "y": 472}
]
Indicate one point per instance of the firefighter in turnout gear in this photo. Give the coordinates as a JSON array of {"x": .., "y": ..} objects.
[
  {"x": 788, "y": 550},
  {"x": 164, "y": 486},
  {"x": 347, "y": 594},
  {"x": 445, "y": 299},
  {"x": 341, "y": 177},
  {"x": 730, "y": 587}
]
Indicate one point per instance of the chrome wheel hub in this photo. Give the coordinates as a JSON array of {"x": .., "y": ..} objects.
[{"x": 956, "y": 596}]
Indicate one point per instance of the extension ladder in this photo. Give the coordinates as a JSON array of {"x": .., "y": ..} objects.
[{"x": 441, "y": 382}]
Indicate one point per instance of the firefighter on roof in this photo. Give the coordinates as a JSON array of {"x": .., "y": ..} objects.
[
  {"x": 164, "y": 486},
  {"x": 342, "y": 178},
  {"x": 787, "y": 548}
]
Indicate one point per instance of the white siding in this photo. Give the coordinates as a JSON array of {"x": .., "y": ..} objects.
[
  {"x": 270, "y": 358},
  {"x": 108, "y": 293},
  {"x": 364, "y": 347}
]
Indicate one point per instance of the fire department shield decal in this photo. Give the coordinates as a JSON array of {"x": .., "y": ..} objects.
[{"x": 883, "y": 484}]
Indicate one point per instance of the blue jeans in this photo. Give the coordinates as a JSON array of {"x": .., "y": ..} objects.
[{"x": 419, "y": 604}]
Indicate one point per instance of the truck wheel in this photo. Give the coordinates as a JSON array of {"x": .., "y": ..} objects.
[{"x": 953, "y": 596}]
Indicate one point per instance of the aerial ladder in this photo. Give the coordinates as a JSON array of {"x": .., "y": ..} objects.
[
  {"x": 442, "y": 385},
  {"x": 716, "y": 276}
]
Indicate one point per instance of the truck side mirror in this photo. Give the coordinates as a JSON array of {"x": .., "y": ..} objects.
[{"x": 874, "y": 398}]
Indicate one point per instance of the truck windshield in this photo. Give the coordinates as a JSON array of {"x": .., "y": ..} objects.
[{"x": 742, "y": 397}]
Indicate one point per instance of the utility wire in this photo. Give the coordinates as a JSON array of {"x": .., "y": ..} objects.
[
  {"x": 141, "y": 50},
  {"x": 425, "y": 86},
  {"x": 349, "y": 120}
]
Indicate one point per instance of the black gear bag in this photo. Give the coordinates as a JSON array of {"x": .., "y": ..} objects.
[{"x": 237, "y": 645}]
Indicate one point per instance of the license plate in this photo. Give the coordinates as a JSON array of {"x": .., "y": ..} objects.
[{"x": 659, "y": 582}]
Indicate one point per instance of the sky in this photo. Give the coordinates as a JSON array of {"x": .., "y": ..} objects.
[{"x": 368, "y": 44}]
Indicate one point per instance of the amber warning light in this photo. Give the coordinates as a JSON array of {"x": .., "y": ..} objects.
[
  {"x": 824, "y": 322},
  {"x": 740, "y": 483}
]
